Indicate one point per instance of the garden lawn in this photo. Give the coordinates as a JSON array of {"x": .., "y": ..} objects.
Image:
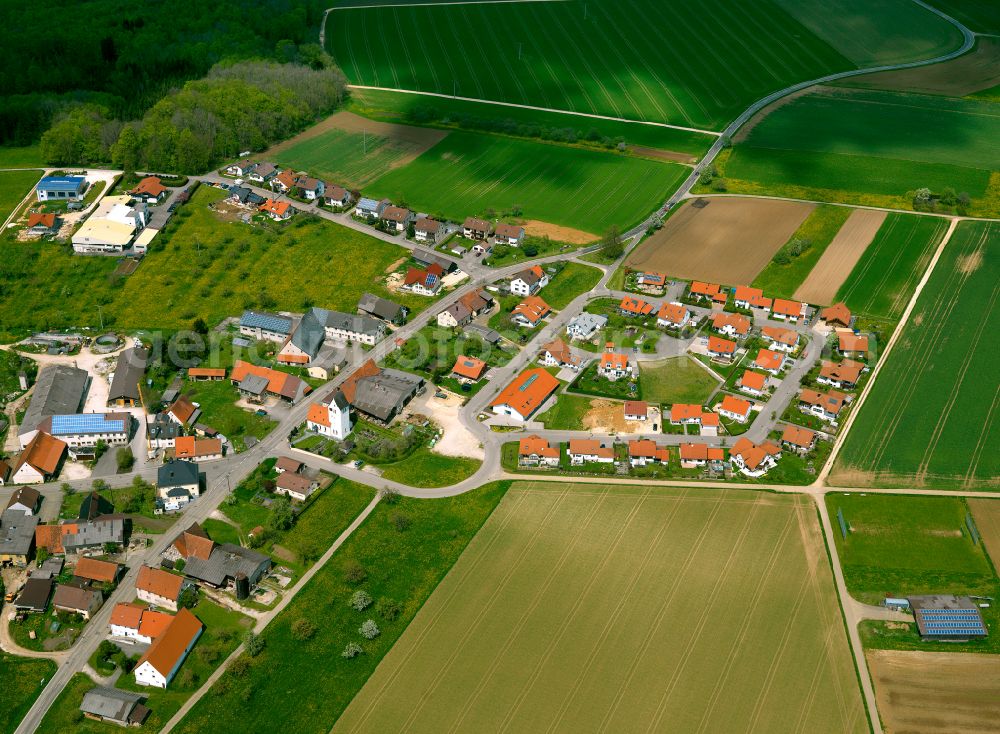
[
  {"x": 469, "y": 173},
  {"x": 449, "y": 113},
  {"x": 676, "y": 380},
  {"x": 219, "y": 410},
  {"x": 819, "y": 228},
  {"x": 424, "y": 468},
  {"x": 14, "y": 186},
  {"x": 201, "y": 266},
  {"x": 591, "y": 383},
  {"x": 222, "y": 532},
  {"x": 21, "y": 680},
  {"x": 608, "y": 62},
  {"x": 867, "y": 146},
  {"x": 567, "y": 413},
  {"x": 573, "y": 280},
  {"x": 929, "y": 419},
  {"x": 304, "y": 685},
  {"x": 883, "y": 280}
]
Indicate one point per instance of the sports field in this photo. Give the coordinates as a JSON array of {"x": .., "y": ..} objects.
[
  {"x": 692, "y": 64},
  {"x": 589, "y": 607},
  {"x": 900, "y": 545},
  {"x": 351, "y": 151},
  {"x": 469, "y": 173},
  {"x": 856, "y": 141},
  {"x": 931, "y": 416},
  {"x": 883, "y": 280},
  {"x": 725, "y": 240},
  {"x": 876, "y": 32}
]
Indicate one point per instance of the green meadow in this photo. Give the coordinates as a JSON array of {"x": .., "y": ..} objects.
[{"x": 468, "y": 174}]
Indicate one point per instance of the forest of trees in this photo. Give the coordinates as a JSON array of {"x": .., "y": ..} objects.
[
  {"x": 124, "y": 57},
  {"x": 237, "y": 106}
]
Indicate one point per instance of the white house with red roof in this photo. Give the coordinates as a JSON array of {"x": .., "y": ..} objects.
[
  {"x": 735, "y": 408},
  {"x": 331, "y": 417},
  {"x": 614, "y": 365}
]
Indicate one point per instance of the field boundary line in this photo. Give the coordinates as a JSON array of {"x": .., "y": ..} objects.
[
  {"x": 904, "y": 319},
  {"x": 431, "y": 5},
  {"x": 571, "y": 113}
]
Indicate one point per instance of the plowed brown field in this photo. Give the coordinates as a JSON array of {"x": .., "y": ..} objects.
[{"x": 840, "y": 257}]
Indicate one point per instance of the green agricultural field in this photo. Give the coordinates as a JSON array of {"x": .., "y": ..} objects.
[
  {"x": 299, "y": 685},
  {"x": 14, "y": 186},
  {"x": 21, "y": 680},
  {"x": 781, "y": 279},
  {"x": 676, "y": 380},
  {"x": 907, "y": 545},
  {"x": 929, "y": 419},
  {"x": 572, "y": 281},
  {"x": 877, "y": 32},
  {"x": 982, "y": 16},
  {"x": 883, "y": 280},
  {"x": 449, "y": 113},
  {"x": 347, "y": 158},
  {"x": 201, "y": 266},
  {"x": 607, "y": 60},
  {"x": 848, "y": 144},
  {"x": 21, "y": 157},
  {"x": 467, "y": 174},
  {"x": 580, "y": 607}
]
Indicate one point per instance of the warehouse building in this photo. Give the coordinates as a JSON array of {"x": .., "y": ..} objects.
[{"x": 943, "y": 617}]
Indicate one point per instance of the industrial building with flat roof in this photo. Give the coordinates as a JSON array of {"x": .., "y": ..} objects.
[{"x": 945, "y": 617}]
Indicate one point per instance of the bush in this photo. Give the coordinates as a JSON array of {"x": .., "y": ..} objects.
[
  {"x": 354, "y": 573},
  {"x": 239, "y": 667},
  {"x": 303, "y": 629},
  {"x": 401, "y": 522},
  {"x": 369, "y": 630},
  {"x": 352, "y": 650},
  {"x": 388, "y": 609},
  {"x": 253, "y": 643},
  {"x": 361, "y": 600},
  {"x": 125, "y": 458}
]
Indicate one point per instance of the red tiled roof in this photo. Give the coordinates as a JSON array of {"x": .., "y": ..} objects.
[
  {"x": 787, "y": 308},
  {"x": 319, "y": 414},
  {"x": 718, "y": 345},
  {"x": 732, "y": 404},
  {"x": 704, "y": 289},
  {"x": 527, "y": 391},
  {"x": 469, "y": 367},
  {"x": 205, "y": 372},
  {"x": 838, "y": 313},
  {"x": 126, "y": 615},
  {"x": 278, "y": 383},
  {"x": 182, "y": 409},
  {"x": 740, "y": 323},
  {"x": 852, "y": 343},
  {"x": 96, "y": 570},
  {"x": 43, "y": 453},
  {"x": 150, "y": 185},
  {"x": 780, "y": 335},
  {"x": 753, "y": 380},
  {"x": 769, "y": 360},
  {"x": 633, "y": 305},
  {"x": 846, "y": 371},
  {"x": 189, "y": 447},
  {"x": 684, "y": 411},
  {"x": 532, "y": 308},
  {"x": 159, "y": 582},
  {"x": 537, "y": 446},
  {"x": 169, "y": 647},
  {"x": 701, "y": 452},
  {"x": 279, "y": 208},
  {"x": 636, "y": 407},
  {"x": 646, "y": 447},
  {"x": 614, "y": 361},
  {"x": 46, "y": 220},
  {"x": 675, "y": 313},
  {"x": 590, "y": 447},
  {"x": 798, "y": 436}
]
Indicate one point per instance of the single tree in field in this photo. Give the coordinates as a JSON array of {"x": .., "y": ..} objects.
[{"x": 612, "y": 245}]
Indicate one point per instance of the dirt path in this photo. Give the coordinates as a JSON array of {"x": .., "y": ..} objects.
[{"x": 840, "y": 257}]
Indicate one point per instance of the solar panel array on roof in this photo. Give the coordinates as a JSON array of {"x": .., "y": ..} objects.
[
  {"x": 85, "y": 423},
  {"x": 951, "y": 621},
  {"x": 266, "y": 321}
]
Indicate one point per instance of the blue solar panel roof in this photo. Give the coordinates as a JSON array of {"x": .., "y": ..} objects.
[
  {"x": 71, "y": 425},
  {"x": 61, "y": 183},
  {"x": 266, "y": 321}
]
